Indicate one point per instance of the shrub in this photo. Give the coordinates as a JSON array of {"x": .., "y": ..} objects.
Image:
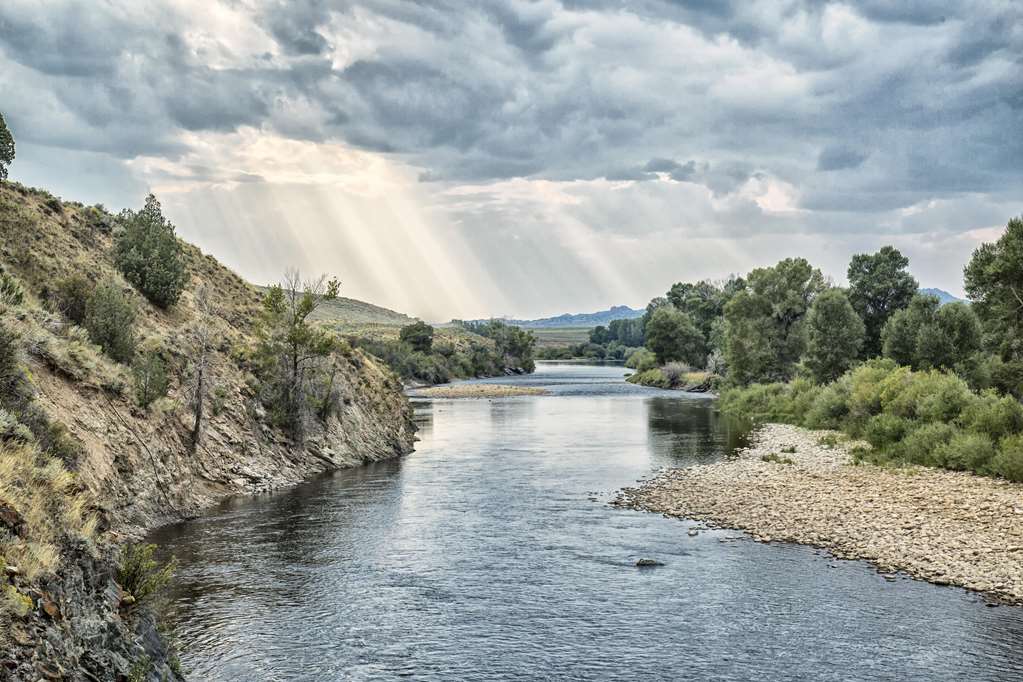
[
  {"x": 110, "y": 320},
  {"x": 993, "y": 415},
  {"x": 830, "y": 409},
  {"x": 641, "y": 360},
  {"x": 1008, "y": 463},
  {"x": 921, "y": 445},
  {"x": 651, "y": 377},
  {"x": 759, "y": 402},
  {"x": 71, "y": 297},
  {"x": 885, "y": 430},
  {"x": 142, "y": 575},
  {"x": 775, "y": 458},
  {"x": 11, "y": 292},
  {"x": 418, "y": 335},
  {"x": 675, "y": 373},
  {"x": 149, "y": 377},
  {"x": 966, "y": 452},
  {"x": 149, "y": 255}
]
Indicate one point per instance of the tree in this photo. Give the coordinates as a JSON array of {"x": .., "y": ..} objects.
[
  {"x": 879, "y": 285},
  {"x": 703, "y": 302},
  {"x": 149, "y": 376},
  {"x": 834, "y": 336},
  {"x": 764, "y": 335},
  {"x": 599, "y": 335},
  {"x": 994, "y": 283},
  {"x": 110, "y": 320},
  {"x": 927, "y": 335},
  {"x": 149, "y": 255},
  {"x": 6, "y": 148},
  {"x": 291, "y": 350},
  {"x": 672, "y": 336},
  {"x": 202, "y": 378},
  {"x": 628, "y": 332},
  {"x": 418, "y": 335}
]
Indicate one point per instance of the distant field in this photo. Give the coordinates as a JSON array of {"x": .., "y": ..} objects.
[
  {"x": 560, "y": 336},
  {"x": 455, "y": 336}
]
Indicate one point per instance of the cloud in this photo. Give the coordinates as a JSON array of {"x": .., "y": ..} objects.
[{"x": 653, "y": 120}]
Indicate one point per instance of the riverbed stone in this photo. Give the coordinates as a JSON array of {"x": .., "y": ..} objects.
[{"x": 943, "y": 526}]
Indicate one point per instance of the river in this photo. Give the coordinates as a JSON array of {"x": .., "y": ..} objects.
[{"x": 491, "y": 554}]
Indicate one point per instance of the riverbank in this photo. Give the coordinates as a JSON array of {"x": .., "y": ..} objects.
[
  {"x": 689, "y": 382},
  {"x": 477, "y": 391},
  {"x": 796, "y": 485}
]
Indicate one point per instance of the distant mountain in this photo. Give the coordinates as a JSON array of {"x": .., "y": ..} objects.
[
  {"x": 586, "y": 320},
  {"x": 942, "y": 295}
]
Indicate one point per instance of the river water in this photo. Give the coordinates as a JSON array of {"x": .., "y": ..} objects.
[{"x": 491, "y": 554}]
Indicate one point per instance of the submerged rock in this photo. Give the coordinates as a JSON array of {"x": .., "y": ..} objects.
[{"x": 649, "y": 562}]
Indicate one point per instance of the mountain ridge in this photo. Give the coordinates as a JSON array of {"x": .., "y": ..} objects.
[{"x": 600, "y": 317}]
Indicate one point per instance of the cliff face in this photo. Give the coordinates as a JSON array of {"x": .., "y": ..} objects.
[{"x": 137, "y": 468}]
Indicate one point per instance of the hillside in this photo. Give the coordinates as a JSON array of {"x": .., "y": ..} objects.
[
  {"x": 350, "y": 312},
  {"x": 117, "y": 469}
]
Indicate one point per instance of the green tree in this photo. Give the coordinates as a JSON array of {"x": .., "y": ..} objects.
[
  {"x": 994, "y": 283},
  {"x": 927, "y": 335},
  {"x": 149, "y": 376},
  {"x": 703, "y": 302},
  {"x": 110, "y": 320},
  {"x": 418, "y": 335},
  {"x": 6, "y": 148},
  {"x": 149, "y": 255},
  {"x": 291, "y": 351},
  {"x": 672, "y": 336},
  {"x": 879, "y": 285},
  {"x": 834, "y": 336},
  {"x": 764, "y": 335},
  {"x": 599, "y": 335},
  {"x": 627, "y": 332}
]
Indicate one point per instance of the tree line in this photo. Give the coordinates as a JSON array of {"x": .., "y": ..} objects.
[{"x": 785, "y": 321}]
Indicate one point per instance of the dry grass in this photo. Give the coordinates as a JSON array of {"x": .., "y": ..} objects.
[
  {"x": 479, "y": 391},
  {"x": 44, "y": 493}
]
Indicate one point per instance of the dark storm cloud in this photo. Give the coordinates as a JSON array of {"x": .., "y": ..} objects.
[
  {"x": 901, "y": 100},
  {"x": 837, "y": 157}
]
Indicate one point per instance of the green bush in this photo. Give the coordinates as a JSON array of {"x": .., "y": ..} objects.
[
  {"x": 110, "y": 320},
  {"x": 994, "y": 415},
  {"x": 641, "y": 360},
  {"x": 651, "y": 377},
  {"x": 1008, "y": 463},
  {"x": 149, "y": 255},
  {"x": 966, "y": 452},
  {"x": 149, "y": 377},
  {"x": 830, "y": 409},
  {"x": 71, "y": 297},
  {"x": 921, "y": 445},
  {"x": 418, "y": 335},
  {"x": 885, "y": 430},
  {"x": 140, "y": 574}
]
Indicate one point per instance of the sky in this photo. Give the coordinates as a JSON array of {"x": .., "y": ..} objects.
[{"x": 469, "y": 159}]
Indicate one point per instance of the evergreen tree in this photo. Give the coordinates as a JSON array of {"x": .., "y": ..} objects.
[
  {"x": 6, "y": 148},
  {"x": 149, "y": 255}
]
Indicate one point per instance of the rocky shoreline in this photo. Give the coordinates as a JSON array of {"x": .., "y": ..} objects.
[{"x": 796, "y": 485}]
